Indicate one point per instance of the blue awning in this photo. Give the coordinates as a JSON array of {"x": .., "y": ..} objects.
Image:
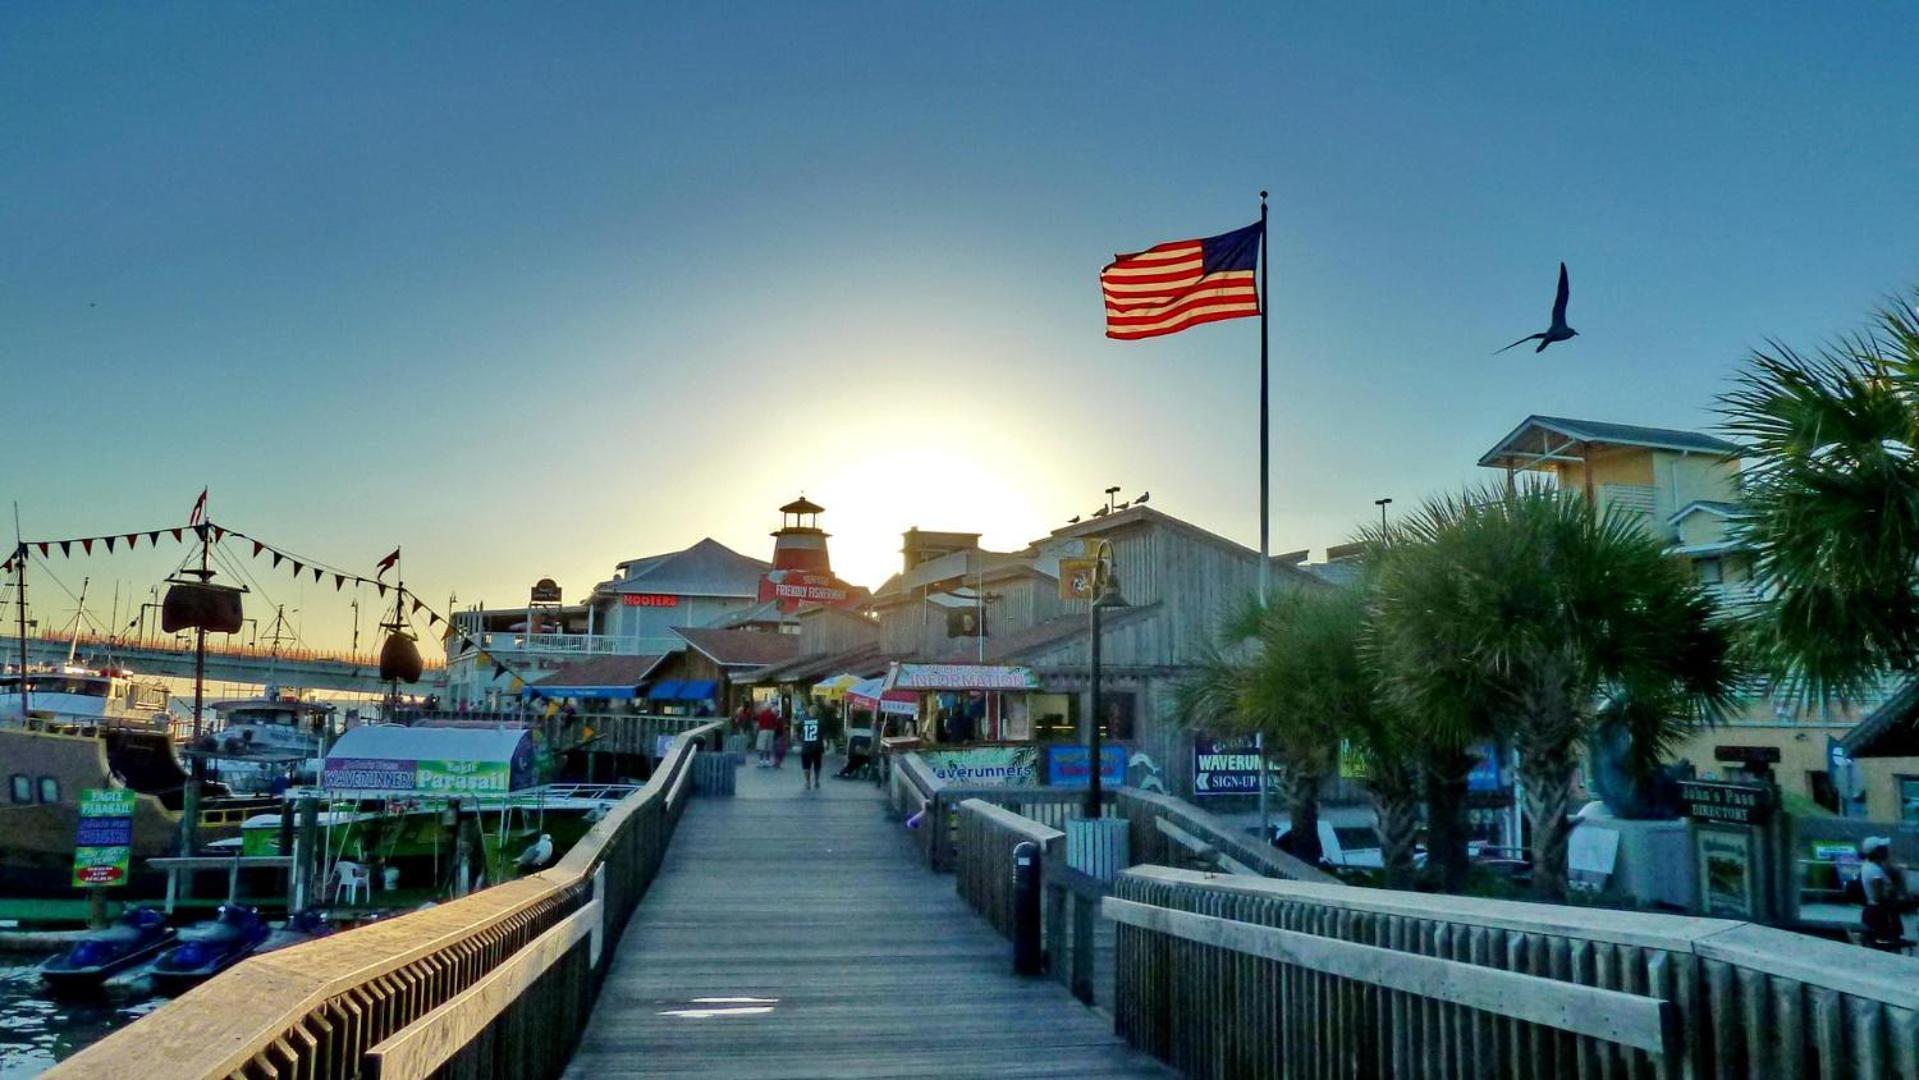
[
  {"x": 665, "y": 690},
  {"x": 697, "y": 690}
]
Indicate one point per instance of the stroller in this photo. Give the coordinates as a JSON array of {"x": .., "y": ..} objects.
[{"x": 859, "y": 756}]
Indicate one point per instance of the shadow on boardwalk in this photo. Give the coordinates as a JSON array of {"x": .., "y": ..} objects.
[{"x": 860, "y": 961}]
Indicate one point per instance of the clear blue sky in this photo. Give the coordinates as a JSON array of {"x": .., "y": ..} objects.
[{"x": 534, "y": 289}]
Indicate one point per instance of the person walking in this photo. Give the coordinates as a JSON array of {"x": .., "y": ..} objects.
[
  {"x": 782, "y": 741},
  {"x": 766, "y": 724},
  {"x": 812, "y": 749},
  {"x": 1884, "y": 882}
]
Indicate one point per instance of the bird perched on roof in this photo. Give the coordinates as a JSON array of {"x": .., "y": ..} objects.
[
  {"x": 1102, "y": 511},
  {"x": 537, "y": 854},
  {"x": 1074, "y": 520},
  {"x": 1558, "y": 331},
  {"x": 1143, "y": 496}
]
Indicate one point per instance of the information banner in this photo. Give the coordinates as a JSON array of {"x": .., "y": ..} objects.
[
  {"x": 103, "y": 845},
  {"x": 402, "y": 774},
  {"x": 984, "y": 766}
]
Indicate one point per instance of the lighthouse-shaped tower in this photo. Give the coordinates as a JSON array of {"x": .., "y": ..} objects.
[{"x": 800, "y": 544}]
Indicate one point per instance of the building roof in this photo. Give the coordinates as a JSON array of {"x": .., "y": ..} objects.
[
  {"x": 1544, "y": 438},
  {"x": 767, "y": 612},
  {"x": 862, "y": 660},
  {"x": 1710, "y": 506},
  {"x": 1056, "y": 632},
  {"x": 741, "y": 648},
  {"x": 708, "y": 568},
  {"x": 1891, "y": 730},
  {"x": 1283, "y": 570},
  {"x": 802, "y": 505},
  {"x": 604, "y": 671}
]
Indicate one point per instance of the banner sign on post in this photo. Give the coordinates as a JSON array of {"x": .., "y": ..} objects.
[
  {"x": 392, "y": 774},
  {"x": 1227, "y": 767},
  {"x": 1072, "y": 766},
  {"x": 984, "y": 766},
  {"x": 103, "y": 845}
]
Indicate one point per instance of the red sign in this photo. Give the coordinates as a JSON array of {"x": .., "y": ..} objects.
[
  {"x": 649, "y": 600},
  {"x": 98, "y": 875},
  {"x": 793, "y": 586}
]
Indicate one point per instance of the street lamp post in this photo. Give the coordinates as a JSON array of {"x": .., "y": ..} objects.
[
  {"x": 1105, "y": 595},
  {"x": 1382, "y": 504}
]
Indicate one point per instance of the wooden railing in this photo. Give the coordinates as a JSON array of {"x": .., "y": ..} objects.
[
  {"x": 496, "y": 984},
  {"x": 1250, "y": 977},
  {"x": 983, "y": 875}
]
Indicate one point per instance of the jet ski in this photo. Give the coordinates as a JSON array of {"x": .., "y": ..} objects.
[
  {"x": 210, "y": 948},
  {"x": 139, "y": 933},
  {"x": 305, "y": 926}
]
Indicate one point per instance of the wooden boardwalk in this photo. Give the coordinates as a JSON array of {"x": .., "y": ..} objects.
[{"x": 794, "y": 933}]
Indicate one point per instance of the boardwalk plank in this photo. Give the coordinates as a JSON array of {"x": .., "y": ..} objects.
[{"x": 870, "y": 965}]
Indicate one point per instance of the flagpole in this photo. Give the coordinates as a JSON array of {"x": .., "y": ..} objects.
[{"x": 1265, "y": 456}]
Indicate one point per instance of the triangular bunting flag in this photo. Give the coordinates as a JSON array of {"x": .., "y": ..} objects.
[
  {"x": 43, "y": 548},
  {"x": 177, "y": 538},
  {"x": 432, "y": 619},
  {"x": 256, "y": 548},
  {"x": 276, "y": 560},
  {"x": 133, "y": 539},
  {"x": 219, "y": 534},
  {"x": 66, "y": 547},
  {"x": 298, "y": 566},
  {"x": 201, "y": 532},
  {"x": 109, "y": 541},
  {"x": 338, "y": 582},
  {"x": 416, "y": 604},
  {"x": 153, "y": 538},
  {"x": 88, "y": 545},
  {"x": 381, "y": 585},
  {"x": 499, "y": 670},
  {"x": 318, "y": 574}
]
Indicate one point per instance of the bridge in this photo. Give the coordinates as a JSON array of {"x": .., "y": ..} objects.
[
  {"x": 227, "y": 661},
  {"x": 724, "y": 922}
]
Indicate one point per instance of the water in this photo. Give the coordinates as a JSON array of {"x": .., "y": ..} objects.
[{"x": 36, "y": 1031}]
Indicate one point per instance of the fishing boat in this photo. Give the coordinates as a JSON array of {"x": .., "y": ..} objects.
[
  {"x": 210, "y": 948},
  {"x": 139, "y": 934},
  {"x": 264, "y": 744}
]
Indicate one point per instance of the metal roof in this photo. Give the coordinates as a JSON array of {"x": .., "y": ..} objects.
[
  {"x": 1891, "y": 730},
  {"x": 742, "y": 648},
  {"x": 1534, "y": 439},
  {"x": 427, "y": 743},
  {"x": 708, "y": 568}
]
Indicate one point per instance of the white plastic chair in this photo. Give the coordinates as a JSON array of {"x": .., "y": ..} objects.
[{"x": 353, "y": 879}]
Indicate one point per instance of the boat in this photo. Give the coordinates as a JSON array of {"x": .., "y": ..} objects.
[
  {"x": 44, "y": 773},
  {"x": 140, "y": 933},
  {"x": 75, "y": 695},
  {"x": 299, "y": 927},
  {"x": 263, "y": 744},
  {"x": 210, "y": 948}
]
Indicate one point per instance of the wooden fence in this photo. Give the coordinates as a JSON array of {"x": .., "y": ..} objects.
[
  {"x": 496, "y": 984},
  {"x": 1251, "y": 977}
]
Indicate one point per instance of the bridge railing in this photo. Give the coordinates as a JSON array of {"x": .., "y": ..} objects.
[
  {"x": 498, "y": 983},
  {"x": 217, "y": 645},
  {"x": 1251, "y": 977},
  {"x": 609, "y": 733}
]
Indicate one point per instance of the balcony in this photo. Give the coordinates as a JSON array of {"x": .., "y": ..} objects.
[{"x": 578, "y": 644}]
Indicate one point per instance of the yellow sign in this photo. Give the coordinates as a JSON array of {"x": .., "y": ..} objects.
[{"x": 1076, "y": 578}]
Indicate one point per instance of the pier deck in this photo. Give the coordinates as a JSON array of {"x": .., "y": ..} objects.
[{"x": 859, "y": 961}]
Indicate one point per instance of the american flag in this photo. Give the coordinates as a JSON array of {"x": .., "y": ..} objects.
[{"x": 1168, "y": 288}]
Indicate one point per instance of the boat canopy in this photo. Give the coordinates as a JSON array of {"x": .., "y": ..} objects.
[{"x": 430, "y": 760}]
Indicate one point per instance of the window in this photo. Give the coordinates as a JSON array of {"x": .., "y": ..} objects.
[
  {"x": 1819, "y": 782},
  {"x": 1711, "y": 571},
  {"x": 22, "y": 788},
  {"x": 49, "y": 790},
  {"x": 1908, "y": 798}
]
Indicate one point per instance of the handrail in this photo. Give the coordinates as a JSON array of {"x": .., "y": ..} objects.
[
  {"x": 1145, "y": 808},
  {"x": 1332, "y": 975},
  {"x": 319, "y": 1007}
]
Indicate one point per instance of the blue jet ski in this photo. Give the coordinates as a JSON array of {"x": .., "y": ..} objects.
[
  {"x": 210, "y": 948},
  {"x": 139, "y": 934},
  {"x": 304, "y": 926}
]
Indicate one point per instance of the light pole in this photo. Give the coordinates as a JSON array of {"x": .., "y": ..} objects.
[
  {"x": 1382, "y": 504},
  {"x": 1105, "y": 595}
]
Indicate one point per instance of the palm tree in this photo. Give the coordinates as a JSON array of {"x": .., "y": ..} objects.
[
  {"x": 1521, "y": 613},
  {"x": 1278, "y": 671},
  {"x": 1832, "y": 494}
]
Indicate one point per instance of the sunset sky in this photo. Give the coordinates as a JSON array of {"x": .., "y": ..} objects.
[{"x": 530, "y": 290}]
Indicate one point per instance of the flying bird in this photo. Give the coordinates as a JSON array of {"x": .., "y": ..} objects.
[
  {"x": 536, "y": 854},
  {"x": 1558, "y": 331}
]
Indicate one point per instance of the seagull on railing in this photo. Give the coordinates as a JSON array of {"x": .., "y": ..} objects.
[{"x": 537, "y": 854}]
